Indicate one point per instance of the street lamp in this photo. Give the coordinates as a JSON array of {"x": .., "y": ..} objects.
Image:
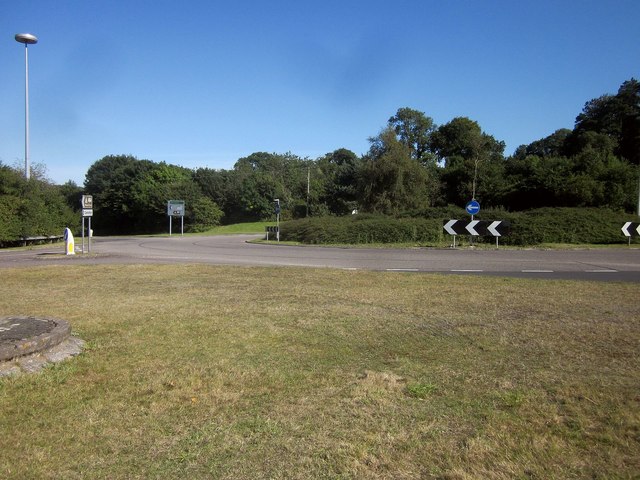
[{"x": 27, "y": 39}]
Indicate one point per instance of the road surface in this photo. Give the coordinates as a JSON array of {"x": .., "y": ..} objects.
[{"x": 616, "y": 264}]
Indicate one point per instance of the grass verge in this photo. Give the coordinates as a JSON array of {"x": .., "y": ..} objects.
[
  {"x": 227, "y": 372},
  {"x": 238, "y": 228}
]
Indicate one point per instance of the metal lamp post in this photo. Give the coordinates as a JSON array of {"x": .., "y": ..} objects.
[{"x": 27, "y": 39}]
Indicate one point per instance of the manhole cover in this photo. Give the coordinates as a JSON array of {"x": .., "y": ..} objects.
[{"x": 24, "y": 335}]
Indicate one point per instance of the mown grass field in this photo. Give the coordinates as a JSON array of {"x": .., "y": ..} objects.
[
  {"x": 236, "y": 228},
  {"x": 244, "y": 373}
]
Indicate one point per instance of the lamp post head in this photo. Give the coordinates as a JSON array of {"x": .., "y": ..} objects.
[{"x": 26, "y": 38}]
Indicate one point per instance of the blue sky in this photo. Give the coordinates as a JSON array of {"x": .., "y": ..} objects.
[{"x": 204, "y": 83}]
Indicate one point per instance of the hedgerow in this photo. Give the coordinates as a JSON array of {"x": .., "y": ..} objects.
[{"x": 533, "y": 227}]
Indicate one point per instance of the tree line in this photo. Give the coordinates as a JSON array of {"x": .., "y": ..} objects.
[
  {"x": 412, "y": 165},
  {"x": 34, "y": 207}
]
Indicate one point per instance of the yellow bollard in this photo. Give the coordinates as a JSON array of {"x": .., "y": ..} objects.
[{"x": 69, "y": 244}]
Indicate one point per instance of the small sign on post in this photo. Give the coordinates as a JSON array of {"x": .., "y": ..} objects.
[
  {"x": 472, "y": 208},
  {"x": 87, "y": 212},
  {"x": 175, "y": 208}
]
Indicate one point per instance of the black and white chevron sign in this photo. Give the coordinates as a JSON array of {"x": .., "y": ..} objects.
[
  {"x": 631, "y": 228},
  {"x": 481, "y": 228}
]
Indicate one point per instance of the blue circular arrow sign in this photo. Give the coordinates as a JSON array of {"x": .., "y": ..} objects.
[{"x": 473, "y": 207}]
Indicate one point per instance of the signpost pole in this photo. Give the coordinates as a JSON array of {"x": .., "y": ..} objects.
[
  {"x": 277, "y": 208},
  {"x": 176, "y": 208},
  {"x": 87, "y": 211},
  {"x": 473, "y": 206}
]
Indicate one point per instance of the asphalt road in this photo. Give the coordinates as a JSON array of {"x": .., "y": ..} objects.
[{"x": 617, "y": 264}]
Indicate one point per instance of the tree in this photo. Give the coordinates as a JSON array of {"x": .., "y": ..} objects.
[
  {"x": 72, "y": 194},
  {"x": 414, "y": 130},
  {"x": 261, "y": 177},
  {"x": 390, "y": 180},
  {"x": 111, "y": 181},
  {"x": 130, "y": 195},
  {"x": 617, "y": 116},
  {"x": 473, "y": 162},
  {"x": 552, "y": 146},
  {"x": 216, "y": 185},
  {"x": 591, "y": 165},
  {"x": 340, "y": 170},
  {"x": 629, "y": 143},
  {"x": 33, "y": 207}
]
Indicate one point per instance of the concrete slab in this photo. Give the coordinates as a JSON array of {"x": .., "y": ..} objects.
[{"x": 28, "y": 344}]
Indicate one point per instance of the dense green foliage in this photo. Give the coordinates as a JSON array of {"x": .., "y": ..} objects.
[
  {"x": 412, "y": 166},
  {"x": 362, "y": 229},
  {"x": 533, "y": 227},
  {"x": 32, "y": 208},
  {"x": 131, "y": 195}
]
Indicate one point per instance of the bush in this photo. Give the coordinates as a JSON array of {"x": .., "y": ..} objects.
[
  {"x": 362, "y": 229},
  {"x": 563, "y": 225},
  {"x": 204, "y": 215},
  {"x": 534, "y": 227}
]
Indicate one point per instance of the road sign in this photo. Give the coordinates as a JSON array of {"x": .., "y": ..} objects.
[
  {"x": 87, "y": 212},
  {"x": 473, "y": 207},
  {"x": 175, "y": 208},
  {"x": 483, "y": 228},
  {"x": 630, "y": 229},
  {"x": 498, "y": 228},
  {"x": 87, "y": 202}
]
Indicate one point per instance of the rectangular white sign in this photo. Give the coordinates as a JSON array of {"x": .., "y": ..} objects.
[
  {"x": 87, "y": 201},
  {"x": 175, "y": 208}
]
